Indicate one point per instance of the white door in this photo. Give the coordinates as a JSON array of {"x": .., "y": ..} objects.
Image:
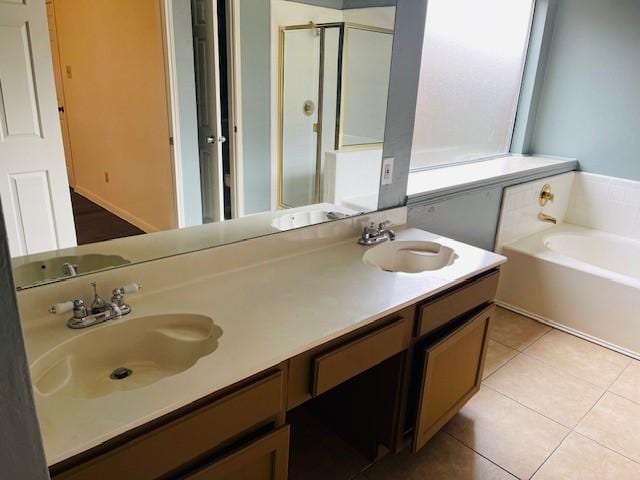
[
  {"x": 33, "y": 179},
  {"x": 205, "y": 42}
]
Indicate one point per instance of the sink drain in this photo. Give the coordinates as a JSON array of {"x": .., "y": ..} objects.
[{"x": 120, "y": 373}]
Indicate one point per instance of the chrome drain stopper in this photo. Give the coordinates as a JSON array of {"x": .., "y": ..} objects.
[{"x": 120, "y": 373}]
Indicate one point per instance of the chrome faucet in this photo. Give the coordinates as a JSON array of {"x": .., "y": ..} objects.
[
  {"x": 100, "y": 311},
  {"x": 69, "y": 269},
  {"x": 372, "y": 234},
  {"x": 543, "y": 217}
]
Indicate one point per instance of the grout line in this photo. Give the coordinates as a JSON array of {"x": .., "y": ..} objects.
[
  {"x": 606, "y": 447},
  {"x": 528, "y": 408},
  {"x": 552, "y": 452},
  {"x": 500, "y": 367},
  {"x": 480, "y": 454},
  {"x": 566, "y": 372}
]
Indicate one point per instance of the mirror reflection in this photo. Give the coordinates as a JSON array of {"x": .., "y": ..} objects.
[{"x": 169, "y": 126}]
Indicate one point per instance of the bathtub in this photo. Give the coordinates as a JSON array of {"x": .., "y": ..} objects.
[{"x": 583, "y": 281}]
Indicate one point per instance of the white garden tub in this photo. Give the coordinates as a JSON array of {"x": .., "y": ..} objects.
[{"x": 580, "y": 280}]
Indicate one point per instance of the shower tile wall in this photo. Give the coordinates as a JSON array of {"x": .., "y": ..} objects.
[
  {"x": 605, "y": 203},
  {"x": 520, "y": 208}
]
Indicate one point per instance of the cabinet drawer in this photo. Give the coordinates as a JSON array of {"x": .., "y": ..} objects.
[
  {"x": 451, "y": 375},
  {"x": 266, "y": 458},
  {"x": 437, "y": 312},
  {"x": 180, "y": 441},
  {"x": 338, "y": 365}
]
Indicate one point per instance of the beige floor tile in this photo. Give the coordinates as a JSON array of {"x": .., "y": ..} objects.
[
  {"x": 515, "y": 330},
  {"x": 628, "y": 384},
  {"x": 580, "y": 358},
  {"x": 550, "y": 392},
  {"x": 443, "y": 458},
  {"x": 579, "y": 458},
  {"x": 507, "y": 433},
  {"x": 497, "y": 356},
  {"x": 615, "y": 423}
]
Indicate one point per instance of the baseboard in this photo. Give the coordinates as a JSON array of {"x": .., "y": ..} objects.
[
  {"x": 120, "y": 212},
  {"x": 572, "y": 331}
]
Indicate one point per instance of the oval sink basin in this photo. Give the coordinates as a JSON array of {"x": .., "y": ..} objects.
[
  {"x": 409, "y": 257},
  {"x": 52, "y": 268},
  {"x": 125, "y": 355}
]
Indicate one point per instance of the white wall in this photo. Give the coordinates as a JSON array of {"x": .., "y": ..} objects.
[{"x": 383, "y": 17}]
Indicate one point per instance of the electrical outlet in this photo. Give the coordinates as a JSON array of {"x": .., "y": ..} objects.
[{"x": 387, "y": 171}]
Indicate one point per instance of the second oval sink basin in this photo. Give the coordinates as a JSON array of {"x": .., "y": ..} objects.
[
  {"x": 53, "y": 268},
  {"x": 125, "y": 356},
  {"x": 409, "y": 257}
]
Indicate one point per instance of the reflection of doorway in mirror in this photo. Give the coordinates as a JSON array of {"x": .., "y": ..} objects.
[
  {"x": 111, "y": 65},
  {"x": 128, "y": 77}
]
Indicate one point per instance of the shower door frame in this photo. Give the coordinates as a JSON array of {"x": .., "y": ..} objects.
[
  {"x": 341, "y": 81},
  {"x": 318, "y": 131}
]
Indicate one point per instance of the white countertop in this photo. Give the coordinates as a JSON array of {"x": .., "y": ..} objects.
[
  {"x": 268, "y": 312},
  {"x": 471, "y": 174}
]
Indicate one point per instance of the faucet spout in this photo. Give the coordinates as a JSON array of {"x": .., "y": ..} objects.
[{"x": 543, "y": 217}]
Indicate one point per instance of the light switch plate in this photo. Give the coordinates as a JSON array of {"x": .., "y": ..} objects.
[{"x": 387, "y": 171}]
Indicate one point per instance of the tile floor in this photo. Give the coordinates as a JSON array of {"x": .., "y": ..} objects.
[{"x": 552, "y": 407}]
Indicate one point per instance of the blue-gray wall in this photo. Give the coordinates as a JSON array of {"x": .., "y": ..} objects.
[
  {"x": 255, "y": 44},
  {"x": 590, "y": 100}
]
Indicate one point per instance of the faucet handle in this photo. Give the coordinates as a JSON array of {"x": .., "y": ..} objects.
[
  {"x": 61, "y": 307},
  {"x": 118, "y": 295},
  {"x": 78, "y": 307},
  {"x": 384, "y": 224},
  {"x": 128, "y": 288}
]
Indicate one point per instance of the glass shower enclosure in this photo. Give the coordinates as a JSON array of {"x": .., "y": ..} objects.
[{"x": 333, "y": 85}]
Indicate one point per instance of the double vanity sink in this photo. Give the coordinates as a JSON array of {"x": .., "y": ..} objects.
[{"x": 188, "y": 341}]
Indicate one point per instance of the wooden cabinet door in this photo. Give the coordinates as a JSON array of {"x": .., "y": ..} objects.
[
  {"x": 266, "y": 458},
  {"x": 452, "y": 373}
]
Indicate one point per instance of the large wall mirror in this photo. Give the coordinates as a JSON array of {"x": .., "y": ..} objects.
[{"x": 138, "y": 129}]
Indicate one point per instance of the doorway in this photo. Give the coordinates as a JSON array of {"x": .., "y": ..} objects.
[{"x": 109, "y": 68}]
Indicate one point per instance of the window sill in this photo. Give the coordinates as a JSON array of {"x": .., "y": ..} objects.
[{"x": 511, "y": 169}]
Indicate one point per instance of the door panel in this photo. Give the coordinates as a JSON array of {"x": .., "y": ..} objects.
[
  {"x": 266, "y": 458},
  {"x": 300, "y": 92},
  {"x": 451, "y": 375},
  {"x": 205, "y": 44},
  {"x": 31, "y": 154}
]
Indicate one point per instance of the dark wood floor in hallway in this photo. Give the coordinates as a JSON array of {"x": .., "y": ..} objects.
[{"x": 96, "y": 224}]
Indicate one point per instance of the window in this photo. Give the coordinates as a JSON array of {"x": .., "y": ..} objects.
[{"x": 472, "y": 63}]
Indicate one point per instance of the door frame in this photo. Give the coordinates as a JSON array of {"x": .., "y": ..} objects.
[
  {"x": 234, "y": 103},
  {"x": 234, "y": 88}
]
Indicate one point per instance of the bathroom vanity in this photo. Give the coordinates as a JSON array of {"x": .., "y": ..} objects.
[{"x": 385, "y": 358}]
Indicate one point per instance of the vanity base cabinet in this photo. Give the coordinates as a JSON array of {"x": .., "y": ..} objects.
[
  {"x": 266, "y": 458},
  {"x": 181, "y": 444},
  {"x": 396, "y": 381},
  {"x": 451, "y": 373}
]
